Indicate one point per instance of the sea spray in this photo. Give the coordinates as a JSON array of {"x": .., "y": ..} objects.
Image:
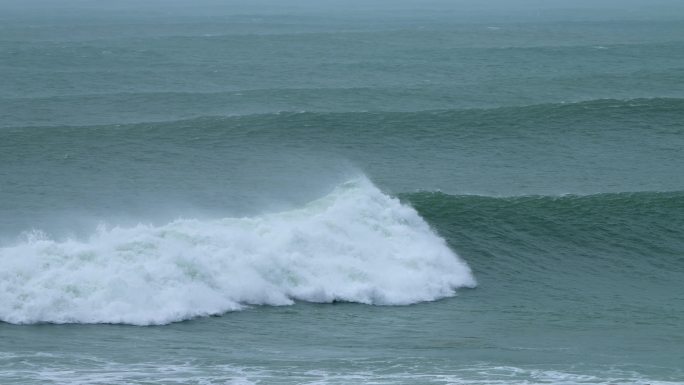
[{"x": 355, "y": 244}]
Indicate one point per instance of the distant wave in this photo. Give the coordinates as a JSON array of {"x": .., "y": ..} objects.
[
  {"x": 78, "y": 96},
  {"x": 507, "y": 116},
  {"x": 355, "y": 244}
]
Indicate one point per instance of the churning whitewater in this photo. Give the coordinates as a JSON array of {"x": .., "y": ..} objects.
[{"x": 355, "y": 244}]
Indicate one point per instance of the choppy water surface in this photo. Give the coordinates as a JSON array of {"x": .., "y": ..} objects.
[{"x": 370, "y": 195}]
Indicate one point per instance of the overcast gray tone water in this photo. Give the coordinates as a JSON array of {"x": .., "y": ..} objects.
[{"x": 328, "y": 193}]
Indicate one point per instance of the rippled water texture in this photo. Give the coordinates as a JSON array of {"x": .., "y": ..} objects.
[{"x": 318, "y": 193}]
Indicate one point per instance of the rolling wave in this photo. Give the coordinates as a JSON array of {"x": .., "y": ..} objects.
[
  {"x": 648, "y": 214},
  {"x": 638, "y": 234},
  {"x": 355, "y": 244},
  {"x": 643, "y": 207},
  {"x": 536, "y": 115}
]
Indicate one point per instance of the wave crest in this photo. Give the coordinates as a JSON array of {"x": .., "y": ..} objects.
[{"x": 355, "y": 244}]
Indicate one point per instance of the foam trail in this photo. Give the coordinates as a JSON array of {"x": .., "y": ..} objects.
[{"x": 355, "y": 244}]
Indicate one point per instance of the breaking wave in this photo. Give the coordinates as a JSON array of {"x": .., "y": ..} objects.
[{"x": 355, "y": 244}]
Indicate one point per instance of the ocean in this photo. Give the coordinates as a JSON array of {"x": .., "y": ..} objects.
[{"x": 342, "y": 193}]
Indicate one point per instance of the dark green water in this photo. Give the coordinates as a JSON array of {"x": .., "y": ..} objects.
[{"x": 326, "y": 194}]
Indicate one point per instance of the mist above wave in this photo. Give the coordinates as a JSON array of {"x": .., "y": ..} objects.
[{"x": 355, "y": 244}]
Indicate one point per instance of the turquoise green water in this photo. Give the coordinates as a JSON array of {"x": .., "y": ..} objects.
[{"x": 319, "y": 194}]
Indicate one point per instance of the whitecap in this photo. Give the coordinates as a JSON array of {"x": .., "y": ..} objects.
[{"x": 356, "y": 244}]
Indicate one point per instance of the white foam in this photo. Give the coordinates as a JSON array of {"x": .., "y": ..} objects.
[
  {"x": 356, "y": 244},
  {"x": 69, "y": 369}
]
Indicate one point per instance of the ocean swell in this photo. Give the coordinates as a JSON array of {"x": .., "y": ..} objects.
[{"x": 355, "y": 244}]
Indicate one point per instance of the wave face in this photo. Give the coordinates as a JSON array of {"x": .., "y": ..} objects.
[
  {"x": 619, "y": 252},
  {"x": 641, "y": 221},
  {"x": 641, "y": 228},
  {"x": 356, "y": 244}
]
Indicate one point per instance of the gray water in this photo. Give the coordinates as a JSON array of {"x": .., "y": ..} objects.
[{"x": 360, "y": 193}]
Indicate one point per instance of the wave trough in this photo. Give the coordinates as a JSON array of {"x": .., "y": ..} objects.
[{"x": 355, "y": 244}]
